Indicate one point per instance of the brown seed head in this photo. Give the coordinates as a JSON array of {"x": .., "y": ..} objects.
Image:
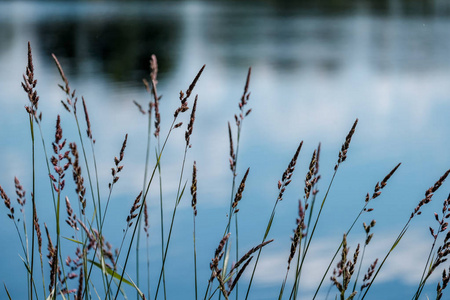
[
  {"x": 368, "y": 275},
  {"x": 139, "y": 107},
  {"x": 429, "y": 194},
  {"x": 238, "y": 276},
  {"x": 184, "y": 97},
  {"x": 309, "y": 175},
  {"x": 29, "y": 85},
  {"x": 124, "y": 145},
  {"x": 77, "y": 177},
  {"x": 58, "y": 132},
  {"x": 246, "y": 94},
  {"x": 38, "y": 230},
  {"x": 146, "y": 223},
  {"x": 285, "y": 179},
  {"x": 384, "y": 181},
  {"x": 221, "y": 245},
  {"x": 154, "y": 81},
  {"x": 66, "y": 89},
  {"x": 88, "y": 123},
  {"x": 153, "y": 68},
  {"x": 438, "y": 184},
  {"x": 157, "y": 114},
  {"x": 249, "y": 253},
  {"x": 343, "y": 153},
  {"x": 194, "y": 188},
  {"x": 232, "y": 155},
  {"x": 20, "y": 192},
  {"x": 133, "y": 209},
  {"x": 191, "y": 122},
  {"x": 80, "y": 285},
  {"x": 7, "y": 202},
  {"x": 240, "y": 190}
]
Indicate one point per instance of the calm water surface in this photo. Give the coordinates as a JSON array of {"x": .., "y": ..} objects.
[{"x": 315, "y": 69}]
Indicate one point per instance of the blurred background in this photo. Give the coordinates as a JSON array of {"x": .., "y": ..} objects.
[{"x": 316, "y": 67}]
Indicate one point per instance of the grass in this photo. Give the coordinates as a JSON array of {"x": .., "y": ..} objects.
[{"x": 85, "y": 265}]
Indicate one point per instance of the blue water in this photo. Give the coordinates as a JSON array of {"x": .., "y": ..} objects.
[{"x": 315, "y": 69}]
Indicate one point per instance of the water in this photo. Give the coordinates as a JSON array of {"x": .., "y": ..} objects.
[{"x": 315, "y": 68}]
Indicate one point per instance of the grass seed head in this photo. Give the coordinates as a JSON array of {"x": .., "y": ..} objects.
[
  {"x": 194, "y": 188},
  {"x": 343, "y": 153}
]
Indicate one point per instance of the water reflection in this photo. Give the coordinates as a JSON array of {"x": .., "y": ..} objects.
[
  {"x": 316, "y": 67},
  {"x": 117, "y": 47},
  {"x": 103, "y": 35}
]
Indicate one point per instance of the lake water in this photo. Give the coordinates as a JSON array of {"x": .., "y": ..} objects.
[{"x": 315, "y": 69}]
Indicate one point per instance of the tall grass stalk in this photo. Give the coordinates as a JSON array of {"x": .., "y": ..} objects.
[
  {"x": 154, "y": 68},
  {"x": 181, "y": 109},
  {"x": 142, "y": 206},
  {"x": 311, "y": 181},
  {"x": 417, "y": 211},
  {"x": 376, "y": 193},
  {"x": 341, "y": 158},
  {"x": 29, "y": 85},
  {"x": 180, "y": 191},
  {"x": 433, "y": 261},
  {"x": 299, "y": 232},
  {"x": 234, "y": 154},
  {"x": 282, "y": 184},
  {"x": 194, "y": 214},
  {"x": 140, "y": 221},
  {"x": 153, "y": 92},
  {"x": 147, "y": 161},
  {"x": 137, "y": 203},
  {"x": 70, "y": 106},
  {"x": 369, "y": 236}
]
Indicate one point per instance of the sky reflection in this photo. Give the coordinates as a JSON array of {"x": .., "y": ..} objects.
[{"x": 314, "y": 70}]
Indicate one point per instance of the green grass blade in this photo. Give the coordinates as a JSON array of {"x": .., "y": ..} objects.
[
  {"x": 72, "y": 240},
  {"x": 111, "y": 272},
  {"x": 7, "y": 292},
  {"x": 181, "y": 194}
]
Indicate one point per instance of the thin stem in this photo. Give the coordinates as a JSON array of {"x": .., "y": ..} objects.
[
  {"x": 339, "y": 248},
  {"x": 195, "y": 264},
  {"x": 360, "y": 265},
  {"x": 399, "y": 237},
  {"x": 294, "y": 292},
  {"x": 142, "y": 206},
  {"x": 148, "y": 268},
  {"x": 27, "y": 255},
  {"x": 298, "y": 266},
  {"x": 237, "y": 254},
  {"x": 34, "y": 204},
  {"x": 422, "y": 281},
  {"x": 97, "y": 210},
  {"x": 108, "y": 290},
  {"x": 269, "y": 225},
  {"x": 98, "y": 218},
  {"x": 233, "y": 187},
  {"x": 161, "y": 218},
  {"x": 177, "y": 201},
  {"x": 147, "y": 158}
]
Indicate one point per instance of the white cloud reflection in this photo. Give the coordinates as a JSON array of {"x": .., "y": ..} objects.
[{"x": 404, "y": 265}]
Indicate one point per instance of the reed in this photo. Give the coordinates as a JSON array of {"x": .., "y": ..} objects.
[{"x": 81, "y": 263}]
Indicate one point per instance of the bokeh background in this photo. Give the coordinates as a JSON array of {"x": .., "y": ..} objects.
[{"x": 316, "y": 67}]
